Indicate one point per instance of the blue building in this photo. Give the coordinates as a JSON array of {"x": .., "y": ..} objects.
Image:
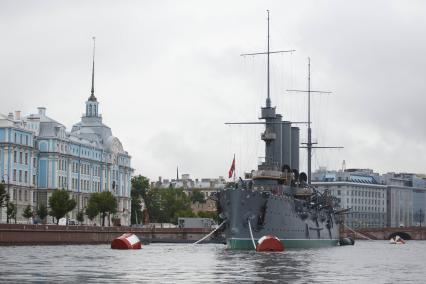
[{"x": 38, "y": 156}]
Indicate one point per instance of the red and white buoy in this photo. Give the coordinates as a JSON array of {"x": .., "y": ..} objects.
[
  {"x": 126, "y": 241},
  {"x": 269, "y": 243}
]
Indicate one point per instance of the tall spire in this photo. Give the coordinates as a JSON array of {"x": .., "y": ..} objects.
[{"x": 92, "y": 93}]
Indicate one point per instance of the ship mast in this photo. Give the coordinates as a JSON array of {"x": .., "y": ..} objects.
[
  {"x": 268, "y": 99},
  {"x": 268, "y": 53},
  {"x": 309, "y": 144}
]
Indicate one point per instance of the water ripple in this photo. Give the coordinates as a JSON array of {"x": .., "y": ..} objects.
[{"x": 374, "y": 262}]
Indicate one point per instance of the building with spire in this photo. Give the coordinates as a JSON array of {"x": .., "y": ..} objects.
[{"x": 38, "y": 156}]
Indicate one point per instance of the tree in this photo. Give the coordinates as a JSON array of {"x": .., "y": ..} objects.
[
  {"x": 28, "y": 212},
  {"x": 140, "y": 186},
  {"x": 166, "y": 205},
  {"x": 80, "y": 216},
  {"x": 3, "y": 195},
  {"x": 4, "y": 199},
  {"x": 103, "y": 203},
  {"x": 91, "y": 210},
  {"x": 42, "y": 211},
  {"x": 11, "y": 211},
  {"x": 197, "y": 196},
  {"x": 60, "y": 204}
]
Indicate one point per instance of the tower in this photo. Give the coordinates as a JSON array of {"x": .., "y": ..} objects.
[{"x": 92, "y": 105}]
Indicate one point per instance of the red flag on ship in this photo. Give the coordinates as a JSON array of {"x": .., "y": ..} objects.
[{"x": 232, "y": 169}]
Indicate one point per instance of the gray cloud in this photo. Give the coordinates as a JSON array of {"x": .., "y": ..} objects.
[{"x": 169, "y": 74}]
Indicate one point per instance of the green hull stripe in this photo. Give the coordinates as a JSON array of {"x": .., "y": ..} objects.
[{"x": 248, "y": 244}]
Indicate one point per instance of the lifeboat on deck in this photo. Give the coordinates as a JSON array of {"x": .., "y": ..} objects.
[{"x": 126, "y": 241}]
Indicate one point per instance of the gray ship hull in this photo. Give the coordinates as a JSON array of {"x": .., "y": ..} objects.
[{"x": 282, "y": 216}]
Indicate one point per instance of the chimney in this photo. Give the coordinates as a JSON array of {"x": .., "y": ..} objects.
[
  {"x": 17, "y": 115},
  {"x": 41, "y": 111}
]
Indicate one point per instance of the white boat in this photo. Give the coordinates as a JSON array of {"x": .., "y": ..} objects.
[{"x": 397, "y": 240}]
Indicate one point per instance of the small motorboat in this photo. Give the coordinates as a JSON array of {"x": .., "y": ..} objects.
[{"x": 397, "y": 240}]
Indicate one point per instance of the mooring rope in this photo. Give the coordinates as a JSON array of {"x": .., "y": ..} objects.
[
  {"x": 251, "y": 234},
  {"x": 211, "y": 233},
  {"x": 350, "y": 229}
]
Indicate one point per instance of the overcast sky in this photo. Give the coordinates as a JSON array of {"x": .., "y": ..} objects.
[{"x": 169, "y": 75}]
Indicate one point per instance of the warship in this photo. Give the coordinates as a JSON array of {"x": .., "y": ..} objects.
[{"x": 276, "y": 199}]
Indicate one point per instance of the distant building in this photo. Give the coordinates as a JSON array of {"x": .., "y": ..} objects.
[
  {"x": 38, "y": 156},
  {"x": 388, "y": 200}
]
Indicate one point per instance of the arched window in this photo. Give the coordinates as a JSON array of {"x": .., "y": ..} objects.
[{"x": 90, "y": 110}]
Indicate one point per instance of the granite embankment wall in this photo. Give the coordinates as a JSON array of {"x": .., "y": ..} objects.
[{"x": 19, "y": 234}]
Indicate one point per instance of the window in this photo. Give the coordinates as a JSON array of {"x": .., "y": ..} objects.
[
  {"x": 26, "y": 143},
  {"x": 25, "y": 177},
  {"x": 14, "y": 175},
  {"x": 25, "y": 195},
  {"x": 34, "y": 162},
  {"x": 34, "y": 181},
  {"x": 14, "y": 156},
  {"x": 20, "y": 176},
  {"x": 26, "y": 158},
  {"x": 20, "y": 195},
  {"x": 20, "y": 157}
]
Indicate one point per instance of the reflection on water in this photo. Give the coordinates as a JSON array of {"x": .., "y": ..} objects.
[{"x": 367, "y": 261}]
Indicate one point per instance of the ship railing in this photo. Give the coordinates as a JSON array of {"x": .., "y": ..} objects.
[{"x": 259, "y": 174}]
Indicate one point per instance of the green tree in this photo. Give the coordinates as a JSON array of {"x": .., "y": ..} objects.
[
  {"x": 153, "y": 205},
  {"x": 197, "y": 196},
  {"x": 140, "y": 186},
  {"x": 60, "y": 204},
  {"x": 103, "y": 203},
  {"x": 3, "y": 195},
  {"x": 28, "y": 212},
  {"x": 11, "y": 211},
  {"x": 166, "y": 205},
  {"x": 42, "y": 211},
  {"x": 91, "y": 210},
  {"x": 4, "y": 199},
  {"x": 80, "y": 216}
]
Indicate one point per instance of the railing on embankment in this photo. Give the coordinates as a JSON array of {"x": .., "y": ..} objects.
[{"x": 20, "y": 234}]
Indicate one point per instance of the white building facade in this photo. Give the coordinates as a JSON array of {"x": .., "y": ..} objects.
[
  {"x": 38, "y": 156},
  {"x": 375, "y": 200}
]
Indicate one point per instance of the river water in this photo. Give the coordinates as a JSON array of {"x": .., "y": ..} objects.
[{"x": 366, "y": 262}]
